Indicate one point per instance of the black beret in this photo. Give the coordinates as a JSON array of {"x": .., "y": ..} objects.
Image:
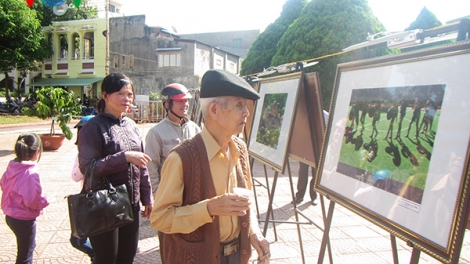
[{"x": 222, "y": 83}]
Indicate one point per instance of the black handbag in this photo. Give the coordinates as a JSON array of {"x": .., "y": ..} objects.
[{"x": 95, "y": 212}]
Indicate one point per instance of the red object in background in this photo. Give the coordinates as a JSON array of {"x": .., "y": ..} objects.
[{"x": 30, "y": 2}]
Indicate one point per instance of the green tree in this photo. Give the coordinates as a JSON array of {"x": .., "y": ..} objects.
[
  {"x": 264, "y": 47},
  {"x": 22, "y": 42},
  {"x": 46, "y": 16},
  {"x": 425, "y": 20},
  {"x": 326, "y": 27}
]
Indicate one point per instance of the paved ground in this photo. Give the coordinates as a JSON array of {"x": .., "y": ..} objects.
[{"x": 353, "y": 239}]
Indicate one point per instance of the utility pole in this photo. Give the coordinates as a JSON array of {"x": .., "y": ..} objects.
[{"x": 107, "y": 37}]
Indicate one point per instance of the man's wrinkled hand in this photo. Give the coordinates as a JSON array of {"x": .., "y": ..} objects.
[
  {"x": 228, "y": 204},
  {"x": 261, "y": 245}
]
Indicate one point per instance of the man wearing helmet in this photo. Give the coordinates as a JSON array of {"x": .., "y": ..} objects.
[{"x": 169, "y": 132}]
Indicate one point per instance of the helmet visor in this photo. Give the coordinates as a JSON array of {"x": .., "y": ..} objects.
[{"x": 181, "y": 96}]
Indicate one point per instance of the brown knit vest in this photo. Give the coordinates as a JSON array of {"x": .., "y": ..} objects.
[{"x": 203, "y": 245}]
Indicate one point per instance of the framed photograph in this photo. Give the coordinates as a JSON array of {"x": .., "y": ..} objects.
[
  {"x": 396, "y": 149},
  {"x": 273, "y": 118}
]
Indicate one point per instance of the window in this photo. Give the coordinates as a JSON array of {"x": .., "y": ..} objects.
[
  {"x": 63, "y": 47},
  {"x": 123, "y": 62},
  {"x": 116, "y": 61},
  {"x": 112, "y": 8},
  {"x": 75, "y": 46},
  {"x": 131, "y": 61},
  {"x": 237, "y": 43},
  {"x": 169, "y": 60},
  {"x": 89, "y": 43}
]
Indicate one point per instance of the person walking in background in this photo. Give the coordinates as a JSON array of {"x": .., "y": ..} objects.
[
  {"x": 195, "y": 205},
  {"x": 303, "y": 178},
  {"x": 114, "y": 141},
  {"x": 169, "y": 132},
  {"x": 22, "y": 197}
]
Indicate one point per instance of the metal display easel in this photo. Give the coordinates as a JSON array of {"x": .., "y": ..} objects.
[{"x": 314, "y": 135}]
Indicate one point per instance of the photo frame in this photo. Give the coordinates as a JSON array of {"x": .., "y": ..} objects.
[
  {"x": 272, "y": 121},
  {"x": 396, "y": 149},
  {"x": 309, "y": 124}
]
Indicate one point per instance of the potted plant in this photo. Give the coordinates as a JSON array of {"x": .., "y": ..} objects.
[{"x": 58, "y": 105}]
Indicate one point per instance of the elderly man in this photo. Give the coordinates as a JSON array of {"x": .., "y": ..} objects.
[{"x": 203, "y": 221}]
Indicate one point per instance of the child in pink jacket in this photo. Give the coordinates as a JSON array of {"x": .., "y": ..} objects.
[{"x": 22, "y": 198}]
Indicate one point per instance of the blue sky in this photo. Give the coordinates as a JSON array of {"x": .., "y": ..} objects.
[{"x": 189, "y": 16}]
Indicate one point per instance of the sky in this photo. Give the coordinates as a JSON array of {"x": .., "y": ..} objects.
[{"x": 190, "y": 16}]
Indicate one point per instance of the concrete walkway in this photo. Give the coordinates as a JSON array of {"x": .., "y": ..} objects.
[{"x": 353, "y": 239}]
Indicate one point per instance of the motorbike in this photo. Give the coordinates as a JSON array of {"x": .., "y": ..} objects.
[{"x": 10, "y": 107}]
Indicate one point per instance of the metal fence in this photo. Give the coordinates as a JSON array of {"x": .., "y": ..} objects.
[{"x": 148, "y": 111}]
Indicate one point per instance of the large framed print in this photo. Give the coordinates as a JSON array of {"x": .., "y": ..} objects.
[
  {"x": 273, "y": 118},
  {"x": 396, "y": 149}
]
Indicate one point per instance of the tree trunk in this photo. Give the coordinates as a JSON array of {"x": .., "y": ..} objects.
[
  {"x": 52, "y": 128},
  {"x": 7, "y": 90}
]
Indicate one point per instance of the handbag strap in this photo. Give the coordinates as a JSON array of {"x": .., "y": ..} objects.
[{"x": 90, "y": 172}]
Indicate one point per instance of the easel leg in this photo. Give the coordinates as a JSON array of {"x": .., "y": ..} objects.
[
  {"x": 415, "y": 256},
  {"x": 295, "y": 213},
  {"x": 326, "y": 232},
  {"x": 271, "y": 198},
  {"x": 252, "y": 161},
  {"x": 393, "y": 241}
]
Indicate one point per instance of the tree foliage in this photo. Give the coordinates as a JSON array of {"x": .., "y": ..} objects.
[
  {"x": 326, "y": 27},
  {"x": 46, "y": 16},
  {"x": 425, "y": 20},
  {"x": 22, "y": 42},
  {"x": 58, "y": 105},
  {"x": 264, "y": 47}
]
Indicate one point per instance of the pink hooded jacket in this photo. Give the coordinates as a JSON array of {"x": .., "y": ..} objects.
[{"x": 22, "y": 192}]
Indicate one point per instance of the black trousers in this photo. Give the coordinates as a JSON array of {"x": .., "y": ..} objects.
[
  {"x": 119, "y": 245},
  {"x": 303, "y": 180},
  {"x": 25, "y": 232}
]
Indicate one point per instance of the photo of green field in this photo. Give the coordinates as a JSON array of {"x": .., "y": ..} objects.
[
  {"x": 392, "y": 129},
  {"x": 270, "y": 123}
]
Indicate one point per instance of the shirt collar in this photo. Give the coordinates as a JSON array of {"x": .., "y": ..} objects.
[
  {"x": 177, "y": 124},
  {"x": 213, "y": 147}
]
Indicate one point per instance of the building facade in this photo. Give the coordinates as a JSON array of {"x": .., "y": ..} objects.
[
  {"x": 79, "y": 56},
  {"x": 153, "y": 57},
  {"x": 235, "y": 42},
  {"x": 79, "y": 52}
]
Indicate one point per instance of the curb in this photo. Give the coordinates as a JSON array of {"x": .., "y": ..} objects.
[{"x": 73, "y": 122}]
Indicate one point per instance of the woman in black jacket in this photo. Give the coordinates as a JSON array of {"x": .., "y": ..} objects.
[{"x": 114, "y": 140}]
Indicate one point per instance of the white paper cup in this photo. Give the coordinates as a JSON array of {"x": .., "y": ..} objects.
[{"x": 243, "y": 192}]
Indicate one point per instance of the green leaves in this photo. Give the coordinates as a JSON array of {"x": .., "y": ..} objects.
[
  {"x": 264, "y": 47},
  {"x": 326, "y": 27},
  {"x": 55, "y": 103},
  {"x": 22, "y": 40}
]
